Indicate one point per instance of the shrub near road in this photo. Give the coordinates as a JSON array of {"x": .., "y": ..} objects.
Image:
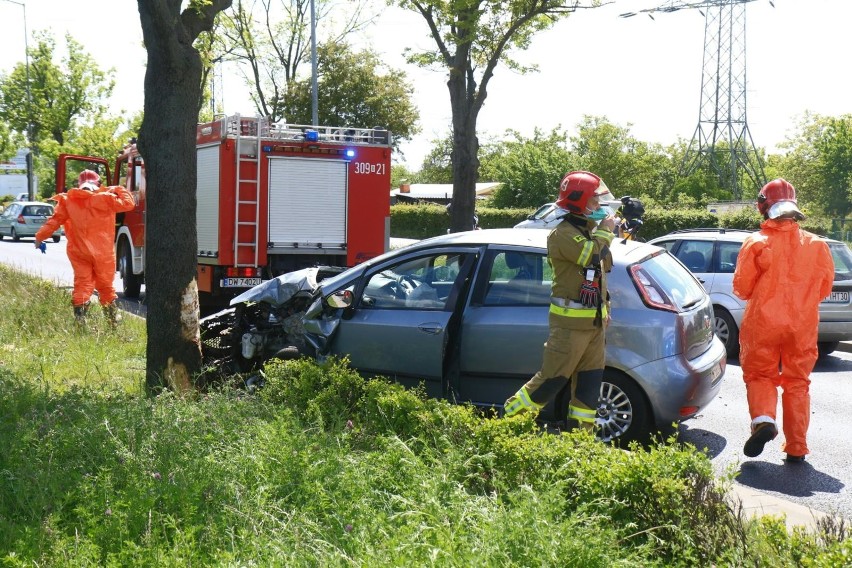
[{"x": 324, "y": 468}]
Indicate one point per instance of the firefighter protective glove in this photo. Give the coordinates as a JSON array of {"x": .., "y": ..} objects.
[
  {"x": 590, "y": 294},
  {"x": 42, "y": 246}
]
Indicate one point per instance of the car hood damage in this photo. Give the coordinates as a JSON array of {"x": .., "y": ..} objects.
[{"x": 265, "y": 322}]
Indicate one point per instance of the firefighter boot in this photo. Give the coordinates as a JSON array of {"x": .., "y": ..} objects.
[
  {"x": 80, "y": 314},
  {"x": 760, "y": 435},
  {"x": 112, "y": 314}
]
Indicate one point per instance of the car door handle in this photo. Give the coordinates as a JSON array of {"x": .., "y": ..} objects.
[{"x": 431, "y": 328}]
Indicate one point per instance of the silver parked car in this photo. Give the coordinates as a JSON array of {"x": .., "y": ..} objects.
[
  {"x": 465, "y": 315},
  {"x": 711, "y": 254},
  {"x": 24, "y": 219}
]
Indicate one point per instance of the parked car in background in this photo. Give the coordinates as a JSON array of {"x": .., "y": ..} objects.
[
  {"x": 711, "y": 254},
  {"x": 545, "y": 217},
  {"x": 465, "y": 316},
  {"x": 24, "y": 219},
  {"x": 22, "y": 197}
]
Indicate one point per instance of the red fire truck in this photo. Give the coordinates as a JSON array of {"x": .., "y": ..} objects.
[{"x": 271, "y": 198}]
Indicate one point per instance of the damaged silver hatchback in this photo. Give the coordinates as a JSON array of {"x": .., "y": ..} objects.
[{"x": 464, "y": 315}]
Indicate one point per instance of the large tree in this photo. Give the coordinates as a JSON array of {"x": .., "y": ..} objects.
[
  {"x": 54, "y": 102},
  {"x": 819, "y": 162},
  {"x": 167, "y": 143},
  {"x": 471, "y": 38},
  {"x": 355, "y": 89},
  {"x": 272, "y": 41},
  {"x": 60, "y": 93},
  {"x": 529, "y": 169}
]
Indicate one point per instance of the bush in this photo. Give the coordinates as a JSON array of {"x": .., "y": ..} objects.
[
  {"x": 325, "y": 468},
  {"x": 428, "y": 220}
]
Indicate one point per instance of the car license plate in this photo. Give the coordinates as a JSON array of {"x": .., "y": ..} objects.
[
  {"x": 240, "y": 282},
  {"x": 837, "y": 298}
]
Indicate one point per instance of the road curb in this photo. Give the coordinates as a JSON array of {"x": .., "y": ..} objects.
[{"x": 756, "y": 503}]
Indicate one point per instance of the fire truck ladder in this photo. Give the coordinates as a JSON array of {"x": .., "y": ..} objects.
[{"x": 247, "y": 214}]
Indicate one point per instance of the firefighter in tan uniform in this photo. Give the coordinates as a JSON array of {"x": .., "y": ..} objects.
[{"x": 578, "y": 252}]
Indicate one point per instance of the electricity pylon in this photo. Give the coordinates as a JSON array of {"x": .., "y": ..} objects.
[{"x": 722, "y": 139}]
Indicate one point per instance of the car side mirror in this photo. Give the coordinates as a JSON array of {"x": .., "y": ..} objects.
[{"x": 340, "y": 299}]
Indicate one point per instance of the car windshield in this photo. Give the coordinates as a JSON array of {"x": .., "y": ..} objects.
[
  {"x": 543, "y": 211},
  {"x": 842, "y": 261},
  {"x": 682, "y": 288}
]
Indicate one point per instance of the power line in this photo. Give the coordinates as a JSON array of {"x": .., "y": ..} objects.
[{"x": 722, "y": 140}]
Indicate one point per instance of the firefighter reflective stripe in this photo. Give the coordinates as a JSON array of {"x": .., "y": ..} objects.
[
  {"x": 603, "y": 234},
  {"x": 570, "y": 311},
  {"x": 581, "y": 414},
  {"x": 586, "y": 254},
  {"x": 520, "y": 401}
]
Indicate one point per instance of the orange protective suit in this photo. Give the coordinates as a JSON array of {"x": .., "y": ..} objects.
[
  {"x": 784, "y": 273},
  {"x": 89, "y": 220}
]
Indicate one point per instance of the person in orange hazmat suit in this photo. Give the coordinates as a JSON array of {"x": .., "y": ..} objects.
[
  {"x": 88, "y": 214},
  {"x": 783, "y": 272}
]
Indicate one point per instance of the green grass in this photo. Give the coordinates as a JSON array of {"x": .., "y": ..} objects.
[{"x": 324, "y": 468}]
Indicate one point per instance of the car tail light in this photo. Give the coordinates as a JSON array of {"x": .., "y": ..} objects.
[
  {"x": 653, "y": 295},
  {"x": 242, "y": 272},
  {"x": 688, "y": 411},
  {"x": 21, "y": 220}
]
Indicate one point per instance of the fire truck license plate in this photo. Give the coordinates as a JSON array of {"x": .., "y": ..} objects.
[
  {"x": 240, "y": 282},
  {"x": 837, "y": 298}
]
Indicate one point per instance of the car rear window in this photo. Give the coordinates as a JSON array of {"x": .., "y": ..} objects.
[
  {"x": 38, "y": 211},
  {"x": 677, "y": 282}
]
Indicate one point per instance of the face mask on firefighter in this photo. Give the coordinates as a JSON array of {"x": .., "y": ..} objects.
[{"x": 598, "y": 214}]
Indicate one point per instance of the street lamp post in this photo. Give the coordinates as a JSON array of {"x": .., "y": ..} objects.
[{"x": 30, "y": 191}]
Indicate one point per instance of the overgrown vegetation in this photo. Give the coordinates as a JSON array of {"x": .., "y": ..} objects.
[{"x": 324, "y": 468}]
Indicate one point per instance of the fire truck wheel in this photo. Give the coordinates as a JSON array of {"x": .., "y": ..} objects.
[{"x": 131, "y": 283}]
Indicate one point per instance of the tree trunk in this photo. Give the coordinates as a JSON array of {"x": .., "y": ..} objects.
[
  {"x": 167, "y": 144},
  {"x": 465, "y": 154}
]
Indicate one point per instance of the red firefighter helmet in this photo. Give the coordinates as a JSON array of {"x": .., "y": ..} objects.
[
  {"x": 89, "y": 179},
  {"x": 576, "y": 189},
  {"x": 777, "y": 198}
]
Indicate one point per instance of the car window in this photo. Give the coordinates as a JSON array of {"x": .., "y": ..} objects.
[
  {"x": 668, "y": 245},
  {"x": 728, "y": 254},
  {"x": 842, "y": 258},
  {"x": 518, "y": 279},
  {"x": 543, "y": 211},
  {"x": 670, "y": 279},
  {"x": 696, "y": 255},
  {"x": 38, "y": 210},
  {"x": 420, "y": 283}
]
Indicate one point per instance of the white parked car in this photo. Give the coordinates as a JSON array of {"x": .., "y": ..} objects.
[
  {"x": 545, "y": 217},
  {"x": 711, "y": 255}
]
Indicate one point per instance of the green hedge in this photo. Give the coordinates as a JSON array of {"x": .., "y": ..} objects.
[{"x": 427, "y": 220}]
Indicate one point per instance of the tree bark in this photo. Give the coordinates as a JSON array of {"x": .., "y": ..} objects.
[
  {"x": 167, "y": 144},
  {"x": 465, "y": 153}
]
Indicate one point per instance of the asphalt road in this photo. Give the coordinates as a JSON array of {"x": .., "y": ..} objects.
[
  {"x": 54, "y": 267},
  {"x": 823, "y": 481}
]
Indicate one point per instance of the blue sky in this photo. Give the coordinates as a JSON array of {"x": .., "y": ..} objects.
[{"x": 635, "y": 71}]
